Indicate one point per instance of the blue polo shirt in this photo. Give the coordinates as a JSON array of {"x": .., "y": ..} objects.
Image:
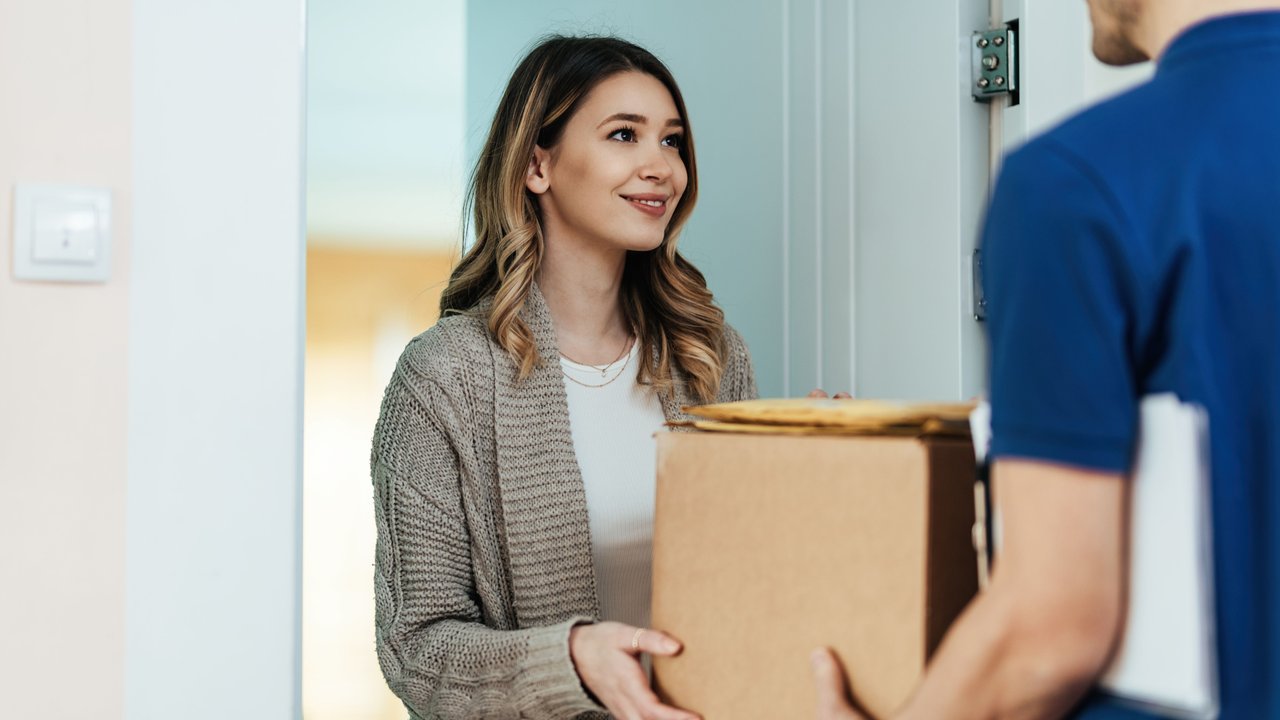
[{"x": 1135, "y": 250}]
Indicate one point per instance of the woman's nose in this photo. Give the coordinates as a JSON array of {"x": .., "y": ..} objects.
[{"x": 657, "y": 165}]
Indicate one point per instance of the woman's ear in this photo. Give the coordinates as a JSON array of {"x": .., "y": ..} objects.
[{"x": 538, "y": 178}]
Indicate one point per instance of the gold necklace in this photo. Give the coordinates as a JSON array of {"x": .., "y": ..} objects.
[
  {"x": 622, "y": 371},
  {"x": 603, "y": 369}
]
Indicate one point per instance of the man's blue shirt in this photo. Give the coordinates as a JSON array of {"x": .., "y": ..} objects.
[{"x": 1135, "y": 250}]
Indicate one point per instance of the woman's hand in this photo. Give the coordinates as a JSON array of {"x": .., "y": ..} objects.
[
  {"x": 820, "y": 393},
  {"x": 607, "y": 657}
]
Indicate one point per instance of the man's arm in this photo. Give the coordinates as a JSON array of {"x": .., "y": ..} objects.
[{"x": 1035, "y": 641}]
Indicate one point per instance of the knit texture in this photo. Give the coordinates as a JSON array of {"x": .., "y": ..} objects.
[{"x": 483, "y": 560}]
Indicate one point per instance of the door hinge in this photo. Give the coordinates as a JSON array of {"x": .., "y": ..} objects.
[
  {"x": 994, "y": 63},
  {"x": 979, "y": 292}
]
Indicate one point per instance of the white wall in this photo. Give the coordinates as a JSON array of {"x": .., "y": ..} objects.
[
  {"x": 170, "y": 394},
  {"x": 215, "y": 362},
  {"x": 64, "y": 118}
]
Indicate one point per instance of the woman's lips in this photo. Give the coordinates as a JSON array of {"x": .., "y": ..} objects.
[{"x": 652, "y": 205}]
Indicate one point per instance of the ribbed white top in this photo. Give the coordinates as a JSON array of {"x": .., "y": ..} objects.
[{"x": 613, "y": 429}]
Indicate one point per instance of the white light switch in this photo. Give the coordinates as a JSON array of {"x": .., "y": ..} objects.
[{"x": 62, "y": 233}]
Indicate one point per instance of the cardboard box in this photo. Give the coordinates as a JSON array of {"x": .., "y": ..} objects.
[{"x": 767, "y": 546}]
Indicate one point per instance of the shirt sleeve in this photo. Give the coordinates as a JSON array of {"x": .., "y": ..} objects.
[{"x": 1059, "y": 286}]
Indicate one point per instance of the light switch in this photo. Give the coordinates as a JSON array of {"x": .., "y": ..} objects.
[
  {"x": 65, "y": 232},
  {"x": 62, "y": 233}
]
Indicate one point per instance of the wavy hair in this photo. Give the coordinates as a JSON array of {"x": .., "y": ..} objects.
[{"x": 663, "y": 296}]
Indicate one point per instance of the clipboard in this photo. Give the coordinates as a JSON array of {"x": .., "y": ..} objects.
[{"x": 1166, "y": 663}]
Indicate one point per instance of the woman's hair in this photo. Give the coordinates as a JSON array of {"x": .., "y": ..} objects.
[{"x": 664, "y": 297}]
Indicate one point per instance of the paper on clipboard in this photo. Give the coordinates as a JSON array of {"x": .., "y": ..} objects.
[{"x": 1167, "y": 661}]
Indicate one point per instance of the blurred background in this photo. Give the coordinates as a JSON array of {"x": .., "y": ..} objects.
[{"x": 385, "y": 118}]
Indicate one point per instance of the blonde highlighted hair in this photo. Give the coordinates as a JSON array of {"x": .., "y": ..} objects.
[{"x": 664, "y": 297}]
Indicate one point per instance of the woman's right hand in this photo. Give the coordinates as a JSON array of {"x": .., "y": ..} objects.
[{"x": 607, "y": 657}]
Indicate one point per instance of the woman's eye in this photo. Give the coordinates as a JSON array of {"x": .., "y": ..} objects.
[
  {"x": 623, "y": 134},
  {"x": 675, "y": 141}
]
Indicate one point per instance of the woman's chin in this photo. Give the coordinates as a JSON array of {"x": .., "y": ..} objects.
[{"x": 644, "y": 244}]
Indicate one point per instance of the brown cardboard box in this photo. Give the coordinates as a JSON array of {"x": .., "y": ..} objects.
[{"x": 767, "y": 546}]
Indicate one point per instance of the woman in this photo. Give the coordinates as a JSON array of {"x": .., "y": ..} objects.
[{"x": 513, "y": 461}]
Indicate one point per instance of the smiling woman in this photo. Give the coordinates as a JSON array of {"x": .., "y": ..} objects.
[
  {"x": 513, "y": 459},
  {"x": 604, "y": 157},
  {"x": 585, "y": 95}
]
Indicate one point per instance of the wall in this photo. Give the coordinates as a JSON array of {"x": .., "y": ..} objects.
[
  {"x": 63, "y": 347},
  {"x": 384, "y": 122},
  {"x": 215, "y": 362}
]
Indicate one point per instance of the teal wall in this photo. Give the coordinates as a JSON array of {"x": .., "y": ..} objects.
[
  {"x": 384, "y": 118},
  {"x": 730, "y": 69}
]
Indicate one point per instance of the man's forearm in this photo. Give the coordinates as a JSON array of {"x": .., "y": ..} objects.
[
  {"x": 993, "y": 664},
  {"x": 1033, "y": 643}
]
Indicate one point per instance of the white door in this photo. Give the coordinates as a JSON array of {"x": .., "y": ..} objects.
[{"x": 924, "y": 153}]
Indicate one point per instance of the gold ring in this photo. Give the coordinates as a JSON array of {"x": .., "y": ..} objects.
[{"x": 635, "y": 639}]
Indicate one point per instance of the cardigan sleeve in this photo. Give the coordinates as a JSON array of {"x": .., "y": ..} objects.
[
  {"x": 739, "y": 379},
  {"x": 434, "y": 649}
]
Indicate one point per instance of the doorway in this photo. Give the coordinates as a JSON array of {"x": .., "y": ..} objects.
[{"x": 384, "y": 189}]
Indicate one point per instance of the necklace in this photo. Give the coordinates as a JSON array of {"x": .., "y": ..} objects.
[{"x": 603, "y": 370}]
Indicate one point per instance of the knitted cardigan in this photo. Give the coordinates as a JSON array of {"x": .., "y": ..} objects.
[{"x": 483, "y": 560}]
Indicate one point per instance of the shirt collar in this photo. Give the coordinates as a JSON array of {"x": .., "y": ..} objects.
[{"x": 1209, "y": 40}]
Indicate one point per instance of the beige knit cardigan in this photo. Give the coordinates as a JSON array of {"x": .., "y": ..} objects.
[{"x": 483, "y": 560}]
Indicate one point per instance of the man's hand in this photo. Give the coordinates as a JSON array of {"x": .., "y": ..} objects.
[{"x": 833, "y": 694}]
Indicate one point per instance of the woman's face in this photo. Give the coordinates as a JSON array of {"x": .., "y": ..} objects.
[{"x": 616, "y": 175}]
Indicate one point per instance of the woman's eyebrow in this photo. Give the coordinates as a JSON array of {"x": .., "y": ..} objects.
[{"x": 639, "y": 120}]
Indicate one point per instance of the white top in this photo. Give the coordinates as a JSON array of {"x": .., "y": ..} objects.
[{"x": 613, "y": 427}]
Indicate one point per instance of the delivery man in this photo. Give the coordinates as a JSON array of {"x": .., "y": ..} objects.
[{"x": 1134, "y": 250}]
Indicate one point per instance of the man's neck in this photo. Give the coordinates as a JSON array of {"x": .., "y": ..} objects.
[{"x": 1164, "y": 20}]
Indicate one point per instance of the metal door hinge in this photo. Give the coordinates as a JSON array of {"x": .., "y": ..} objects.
[
  {"x": 979, "y": 293},
  {"x": 994, "y": 63}
]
